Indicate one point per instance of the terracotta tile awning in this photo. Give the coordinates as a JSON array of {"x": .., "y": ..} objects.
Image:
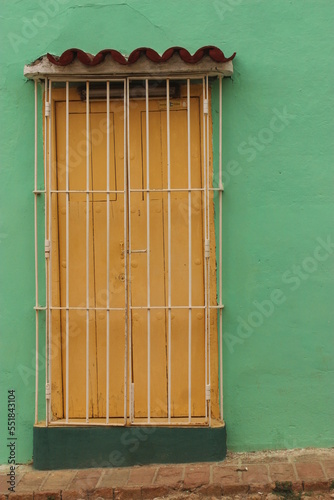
[
  {"x": 111, "y": 63},
  {"x": 70, "y": 55}
]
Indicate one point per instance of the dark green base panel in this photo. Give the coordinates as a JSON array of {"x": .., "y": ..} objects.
[{"x": 85, "y": 447}]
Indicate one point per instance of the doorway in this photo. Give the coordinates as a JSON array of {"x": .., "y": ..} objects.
[{"x": 133, "y": 340}]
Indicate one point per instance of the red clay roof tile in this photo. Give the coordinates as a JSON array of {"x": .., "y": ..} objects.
[{"x": 90, "y": 60}]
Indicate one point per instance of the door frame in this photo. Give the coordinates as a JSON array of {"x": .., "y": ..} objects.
[{"x": 212, "y": 340}]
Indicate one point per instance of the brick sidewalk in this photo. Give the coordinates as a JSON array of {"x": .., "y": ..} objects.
[{"x": 240, "y": 473}]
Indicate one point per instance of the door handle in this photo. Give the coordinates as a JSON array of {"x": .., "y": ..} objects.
[{"x": 144, "y": 250}]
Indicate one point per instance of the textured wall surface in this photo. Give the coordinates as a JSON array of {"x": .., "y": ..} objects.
[{"x": 278, "y": 257}]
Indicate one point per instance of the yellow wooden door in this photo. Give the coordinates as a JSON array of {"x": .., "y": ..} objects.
[
  {"x": 97, "y": 262},
  {"x": 158, "y": 184},
  {"x": 162, "y": 381}
]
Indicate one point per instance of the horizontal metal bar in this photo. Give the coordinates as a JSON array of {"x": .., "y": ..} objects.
[
  {"x": 185, "y": 190},
  {"x": 99, "y": 422},
  {"x": 173, "y": 423},
  {"x": 167, "y": 307},
  {"x": 84, "y": 191},
  {"x": 90, "y": 423},
  {"x": 60, "y": 308},
  {"x": 180, "y": 76},
  {"x": 84, "y": 79},
  {"x": 221, "y": 306},
  {"x": 39, "y": 191},
  {"x": 40, "y": 308}
]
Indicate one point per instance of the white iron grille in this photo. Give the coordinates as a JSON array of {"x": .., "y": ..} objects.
[{"x": 208, "y": 306}]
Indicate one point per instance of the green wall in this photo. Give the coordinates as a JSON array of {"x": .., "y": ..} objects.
[{"x": 278, "y": 131}]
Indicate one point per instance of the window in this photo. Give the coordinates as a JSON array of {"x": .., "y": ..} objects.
[{"x": 133, "y": 314}]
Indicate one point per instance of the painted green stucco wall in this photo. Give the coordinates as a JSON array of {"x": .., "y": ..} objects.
[{"x": 278, "y": 256}]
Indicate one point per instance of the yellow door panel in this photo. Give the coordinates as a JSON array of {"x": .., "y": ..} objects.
[
  {"x": 97, "y": 264},
  {"x": 138, "y": 266},
  {"x": 135, "y": 245},
  {"x": 159, "y": 260},
  {"x": 116, "y": 279},
  {"x": 76, "y": 271}
]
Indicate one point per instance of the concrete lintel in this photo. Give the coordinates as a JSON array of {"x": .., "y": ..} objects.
[{"x": 175, "y": 66}]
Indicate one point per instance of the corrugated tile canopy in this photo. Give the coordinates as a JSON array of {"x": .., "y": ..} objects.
[
  {"x": 109, "y": 63},
  {"x": 70, "y": 55}
]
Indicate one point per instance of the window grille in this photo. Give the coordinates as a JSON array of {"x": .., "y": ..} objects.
[{"x": 126, "y": 104}]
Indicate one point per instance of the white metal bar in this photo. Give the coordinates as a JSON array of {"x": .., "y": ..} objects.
[
  {"x": 220, "y": 248},
  {"x": 46, "y": 203},
  {"x": 84, "y": 308},
  {"x": 60, "y": 79},
  {"x": 125, "y": 256},
  {"x": 169, "y": 252},
  {"x": 50, "y": 255},
  {"x": 67, "y": 256},
  {"x": 87, "y": 251},
  {"x": 208, "y": 237},
  {"x": 108, "y": 251},
  {"x": 85, "y": 191},
  {"x": 36, "y": 254},
  {"x": 189, "y": 253},
  {"x": 205, "y": 237},
  {"x": 129, "y": 240},
  {"x": 167, "y": 307},
  {"x": 177, "y": 422},
  {"x": 134, "y": 190},
  {"x": 181, "y": 77},
  {"x": 175, "y": 190},
  {"x": 92, "y": 423},
  {"x": 148, "y": 256},
  {"x": 170, "y": 76}
]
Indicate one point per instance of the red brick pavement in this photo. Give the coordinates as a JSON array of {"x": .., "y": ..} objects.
[{"x": 305, "y": 470}]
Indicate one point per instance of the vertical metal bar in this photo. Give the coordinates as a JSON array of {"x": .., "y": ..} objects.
[
  {"x": 67, "y": 254},
  {"x": 87, "y": 252},
  {"x": 131, "y": 395},
  {"x": 169, "y": 252},
  {"x": 189, "y": 253},
  {"x": 208, "y": 237},
  {"x": 46, "y": 204},
  {"x": 125, "y": 255},
  {"x": 205, "y": 237},
  {"x": 148, "y": 256},
  {"x": 220, "y": 247},
  {"x": 50, "y": 255},
  {"x": 36, "y": 254},
  {"x": 108, "y": 250}
]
